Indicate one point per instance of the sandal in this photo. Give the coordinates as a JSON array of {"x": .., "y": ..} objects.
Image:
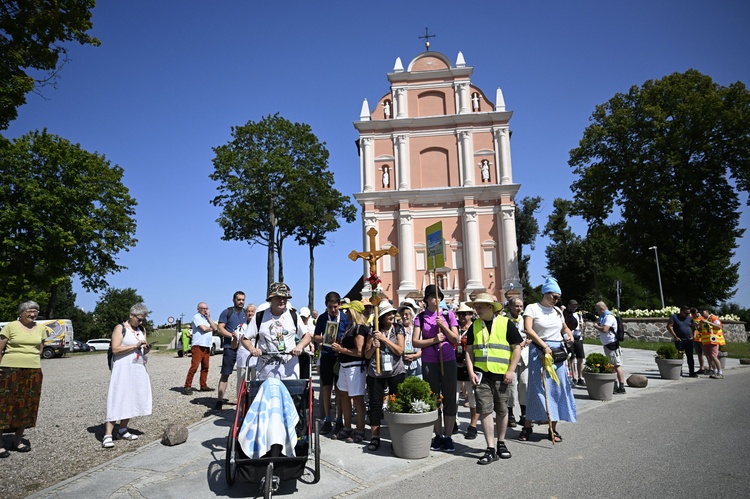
[
  {"x": 4, "y": 453},
  {"x": 356, "y": 437},
  {"x": 343, "y": 433},
  {"x": 107, "y": 442},
  {"x": 525, "y": 433},
  {"x": 124, "y": 434},
  {"x": 374, "y": 444},
  {"x": 490, "y": 456},
  {"x": 554, "y": 436},
  {"x": 22, "y": 447}
]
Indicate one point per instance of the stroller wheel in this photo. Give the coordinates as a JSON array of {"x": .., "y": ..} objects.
[{"x": 230, "y": 463}]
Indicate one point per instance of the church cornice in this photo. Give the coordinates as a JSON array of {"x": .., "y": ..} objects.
[
  {"x": 442, "y": 121},
  {"x": 436, "y": 74},
  {"x": 438, "y": 195}
]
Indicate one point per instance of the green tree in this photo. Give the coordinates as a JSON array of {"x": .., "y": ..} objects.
[
  {"x": 32, "y": 33},
  {"x": 527, "y": 230},
  {"x": 320, "y": 217},
  {"x": 113, "y": 308},
  {"x": 664, "y": 154},
  {"x": 261, "y": 173},
  {"x": 63, "y": 212}
]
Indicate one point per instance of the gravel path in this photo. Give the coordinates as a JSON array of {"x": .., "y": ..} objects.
[{"x": 70, "y": 424}]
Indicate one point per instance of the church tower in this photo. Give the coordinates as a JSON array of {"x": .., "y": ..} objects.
[{"x": 435, "y": 148}]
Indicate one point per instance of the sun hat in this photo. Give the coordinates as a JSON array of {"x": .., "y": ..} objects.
[
  {"x": 464, "y": 309},
  {"x": 485, "y": 298},
  {"x": 355, "y": 305},
  {"x": 385, "y": 309},
  {"x": 279, "y": 289},
  {"x": 304, "y": 312},
  {"x": 408, "y": 303}
]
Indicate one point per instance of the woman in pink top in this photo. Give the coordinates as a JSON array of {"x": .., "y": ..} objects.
[{"x": 435, "y": 332}]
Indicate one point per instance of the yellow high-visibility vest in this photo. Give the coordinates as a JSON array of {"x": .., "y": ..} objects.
[
  {"x": 709, "y": 334},
  {"x": 491, "y": 350}
]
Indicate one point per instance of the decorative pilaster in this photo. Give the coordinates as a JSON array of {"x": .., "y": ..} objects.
[
  {"x": 368, "y": 165},
  {"x": 507, "y": 236},
  {"x": 466, "y": 148},
  {"x": 406, "y": 254},
  {"x": 502, "y": 148},
  {"x": 463, "y": 98},
  {"x": 402, "y": 161},
  {"x": 401, "y": 110},
  {"x": 472, "y": 250}
]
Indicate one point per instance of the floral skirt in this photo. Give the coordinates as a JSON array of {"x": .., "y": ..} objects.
[{"x": 20, "y": 390}]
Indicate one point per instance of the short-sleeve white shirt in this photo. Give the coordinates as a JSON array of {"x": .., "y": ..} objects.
[
  {"x": 272, "y": 330},
  {"x": 548, "y": 322}
]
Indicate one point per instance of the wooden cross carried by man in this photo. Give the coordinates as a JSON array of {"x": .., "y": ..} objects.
[{"x": 372, "y": 258}]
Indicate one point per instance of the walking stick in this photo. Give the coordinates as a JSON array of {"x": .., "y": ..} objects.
[
  {"x": 546, "y": 405},
  {"x": 375, "y": 300},
  {"x": 440, "y": 344}
]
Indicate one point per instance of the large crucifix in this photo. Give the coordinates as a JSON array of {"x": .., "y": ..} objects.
[{"x": 372, "y": 258}]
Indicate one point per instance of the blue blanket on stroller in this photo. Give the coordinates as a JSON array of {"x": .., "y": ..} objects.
[{"x": 271, "y": 420}]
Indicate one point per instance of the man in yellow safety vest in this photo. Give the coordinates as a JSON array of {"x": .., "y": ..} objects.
[{"x": 493, "y": 347}]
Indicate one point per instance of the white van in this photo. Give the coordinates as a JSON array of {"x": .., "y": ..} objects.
[{"x": 59, "y": 337}]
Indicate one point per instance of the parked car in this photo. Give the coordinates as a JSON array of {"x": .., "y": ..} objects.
[
  {"x": 99, "y": 344},
  {"x": 217, "y": 346},
  {"x": 80, "y": 347}
]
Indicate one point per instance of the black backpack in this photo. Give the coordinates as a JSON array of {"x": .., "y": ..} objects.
[
  {"x": 259, "y": 321},
  {"x": 620, "y": 333}
]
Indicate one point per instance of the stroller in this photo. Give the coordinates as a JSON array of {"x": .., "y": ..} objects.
[{"x": 269, "y": 470}]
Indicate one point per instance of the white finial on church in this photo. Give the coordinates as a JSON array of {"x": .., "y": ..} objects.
[
  {"x": 364, "y": 114},
  {"x": 398, "y": 67},
  {"x": 499, "y": 101},
  {"x": 460, "y": 62}
]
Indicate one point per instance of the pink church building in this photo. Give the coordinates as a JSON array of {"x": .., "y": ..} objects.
[{"x": 435, "y": 148}]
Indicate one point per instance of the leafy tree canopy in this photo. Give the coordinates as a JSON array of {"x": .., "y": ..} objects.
[
  {"x": 527, "y": 229},
  {"x": 265, "y": 174},
  {"x": 664, "y": 155},
  {"x": 113, "y": 308},
  {"x": 32, "y": 33},
  {"x": 63, "y": 212}
]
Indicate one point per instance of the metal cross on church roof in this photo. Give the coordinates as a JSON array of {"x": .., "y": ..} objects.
[{"x": 427, "y": 37}]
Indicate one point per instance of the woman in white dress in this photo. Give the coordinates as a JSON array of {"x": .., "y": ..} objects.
[{"x": 129, "y": 386}]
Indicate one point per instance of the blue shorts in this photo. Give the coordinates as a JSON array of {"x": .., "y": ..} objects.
[{"x": 228, "y": 360}]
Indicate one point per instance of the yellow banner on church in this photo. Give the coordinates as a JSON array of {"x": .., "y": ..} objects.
[{"x": 435, "y": 246}]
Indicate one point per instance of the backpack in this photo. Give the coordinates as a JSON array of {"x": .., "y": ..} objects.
[
  {"x": 620, "y": 333},
  {"x": 259, "y": 321}
]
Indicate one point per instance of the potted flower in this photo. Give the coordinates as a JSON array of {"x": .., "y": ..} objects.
[
  {"x": 410, "y": 416},
  {"x": 669, "y": 361},
  {"x": 600, "y": 376}
]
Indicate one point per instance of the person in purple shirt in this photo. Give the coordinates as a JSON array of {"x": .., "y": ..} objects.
[{"x": 435, "y": 332}]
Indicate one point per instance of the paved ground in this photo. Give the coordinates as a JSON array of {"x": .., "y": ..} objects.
[{"x": 196, "y": 469}]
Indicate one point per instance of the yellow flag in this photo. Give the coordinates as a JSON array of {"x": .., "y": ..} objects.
[{"x": 550, "y": 367}]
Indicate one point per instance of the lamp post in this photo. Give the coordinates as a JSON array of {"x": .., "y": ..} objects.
[{"x": 658, "y": 273}]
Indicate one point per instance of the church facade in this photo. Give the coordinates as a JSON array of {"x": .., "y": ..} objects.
[{"x": 433, "y": 149}]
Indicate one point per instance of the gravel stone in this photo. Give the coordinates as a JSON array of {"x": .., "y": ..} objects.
[{"x": 70, "y": 425}]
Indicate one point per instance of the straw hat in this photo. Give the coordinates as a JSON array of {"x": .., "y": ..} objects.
[
  {"x": 485, "y": 298},
  {"x": 386, "y": 309},
  {"x": 464, "y": 308}
]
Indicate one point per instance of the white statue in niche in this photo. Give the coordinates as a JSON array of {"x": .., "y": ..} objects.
[
  {"x": 386, "y": 177},
  {"x": 484, "y": 166},
  {"x": 475, "y": 101},
  {"x": 387, "y": 109}
]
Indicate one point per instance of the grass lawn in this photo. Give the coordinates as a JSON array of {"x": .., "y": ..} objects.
[
  {"x": 736, "y": 350},
  {"x": 161, "y": 336}
]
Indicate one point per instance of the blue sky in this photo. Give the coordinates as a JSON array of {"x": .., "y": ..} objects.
[{"x": 172, "y": 77}]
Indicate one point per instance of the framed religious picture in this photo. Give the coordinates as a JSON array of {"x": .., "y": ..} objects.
[{"x": 330, "y": 334}]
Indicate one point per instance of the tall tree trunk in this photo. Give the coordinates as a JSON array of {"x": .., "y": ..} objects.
[
  {"x": 271, "y": 248},
  {"x": 311, "y": 291},
  {"x": 279, "y": 248},
  {"x": 50, "y": 312}
]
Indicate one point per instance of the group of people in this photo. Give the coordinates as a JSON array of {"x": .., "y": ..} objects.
[
  {"x": 497, "y": 359},
  {"x": 700, "y": 333}
]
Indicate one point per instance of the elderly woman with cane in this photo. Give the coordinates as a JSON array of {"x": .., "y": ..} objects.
[{"x": 547, "y": 399}]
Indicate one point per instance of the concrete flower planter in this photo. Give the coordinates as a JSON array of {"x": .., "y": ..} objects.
[
  {"x": 600, "y": 385},
  {"x": 411, "y": 433},
  {"x": 669, "y": 368}
]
